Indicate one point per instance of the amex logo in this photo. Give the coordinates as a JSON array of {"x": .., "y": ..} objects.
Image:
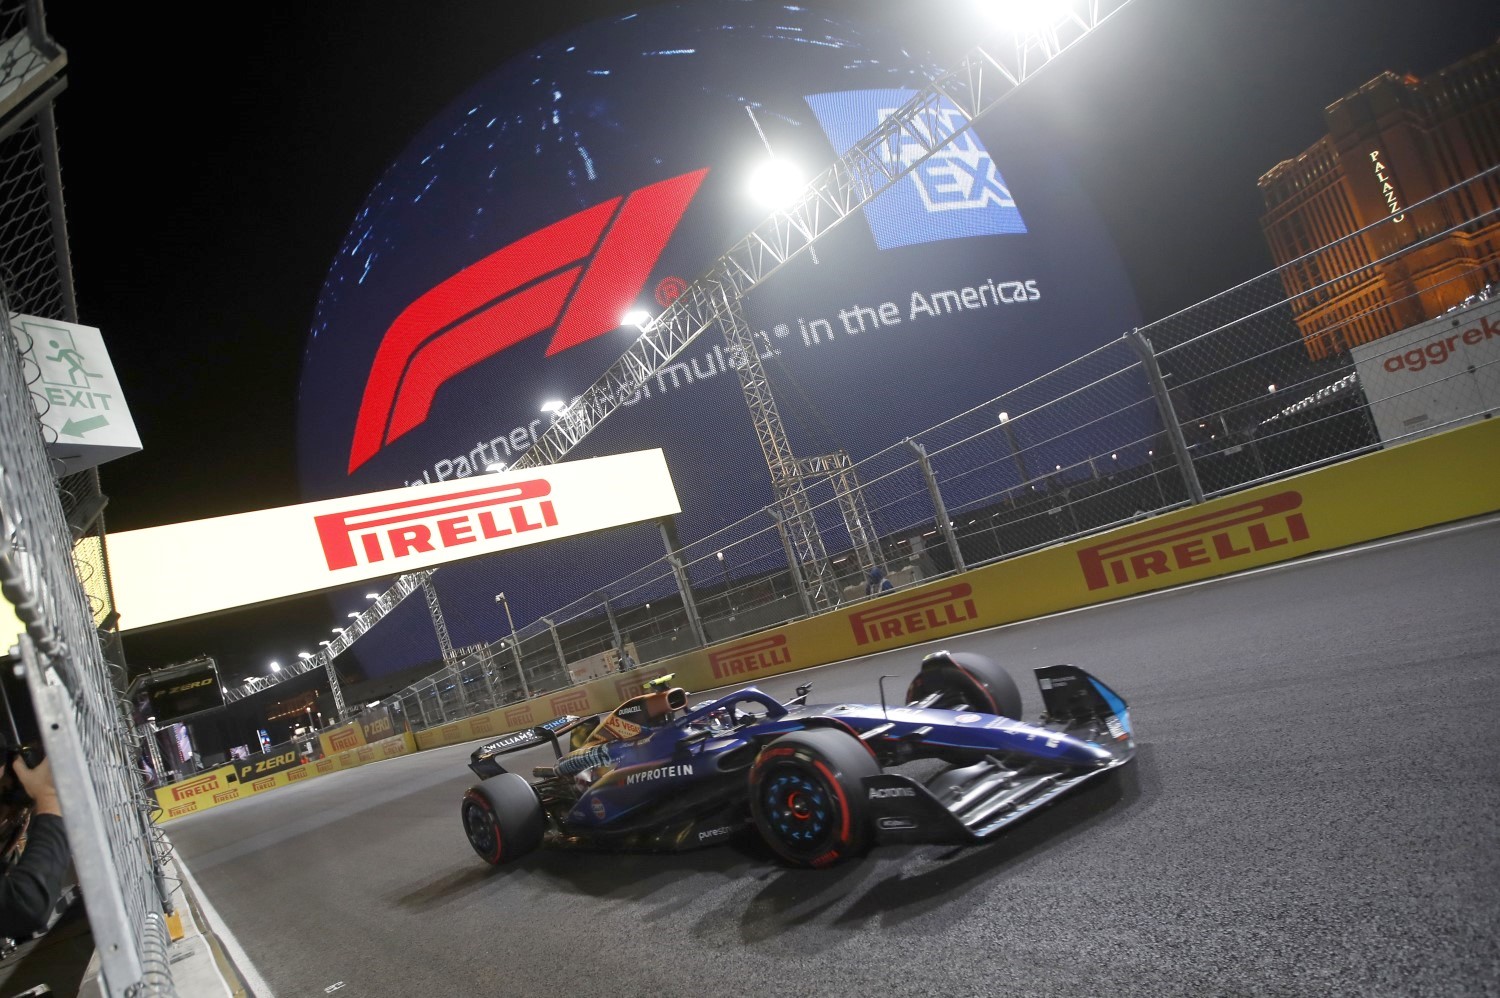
[
  {"x": 579, "y": 275},
  {"x": 1194, "y": 542}
]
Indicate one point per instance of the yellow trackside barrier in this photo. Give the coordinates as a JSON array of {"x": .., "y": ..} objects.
[
  {"x": 223, "y": 785},
  {"x": 340, "y": 739},
  {"x": 1429, "y": 481}
]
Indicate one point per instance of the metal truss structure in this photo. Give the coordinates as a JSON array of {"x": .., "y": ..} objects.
[
  {"x": 383, "y": 604},
  {"x": 907, "y": 138},
  {"x": 842, "y": 476},
  {"x": 439, "y": 624}
]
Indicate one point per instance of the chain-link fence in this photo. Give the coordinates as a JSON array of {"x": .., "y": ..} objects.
[
  {"x": 1278, "y": 375},
  {"x": 77, "y": 693}
]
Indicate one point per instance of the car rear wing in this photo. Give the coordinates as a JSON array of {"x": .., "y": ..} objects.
[{"x": 483, "y": 761}]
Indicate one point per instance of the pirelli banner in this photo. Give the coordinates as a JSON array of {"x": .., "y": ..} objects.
[
  {"x": 184, "y": 570},
  {"x": 262, "y": 773},
  {"x": 1434, "y": 480}
]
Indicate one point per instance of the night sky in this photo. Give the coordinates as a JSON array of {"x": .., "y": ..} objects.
[{"x": 212, "y": 172}]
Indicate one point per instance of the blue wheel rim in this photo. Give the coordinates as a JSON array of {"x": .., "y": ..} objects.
[
  {"x": 480, "y": 827},
  {"x": 799, "y": 810}
]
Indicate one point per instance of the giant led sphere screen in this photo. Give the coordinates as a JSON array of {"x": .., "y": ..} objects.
[{"x": 491, "y": 267}]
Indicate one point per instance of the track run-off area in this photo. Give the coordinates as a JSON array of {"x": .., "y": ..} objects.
[{"x": 1315, "y": 810}]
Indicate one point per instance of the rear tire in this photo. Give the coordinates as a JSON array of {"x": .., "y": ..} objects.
[
  {"x": 964, "y": 678},
  {"x": 807, "y": 796},
  {"x": 503, "y": 819}
]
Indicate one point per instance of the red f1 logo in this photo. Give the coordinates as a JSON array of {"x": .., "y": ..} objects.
[{"x": 585, "y": 269}]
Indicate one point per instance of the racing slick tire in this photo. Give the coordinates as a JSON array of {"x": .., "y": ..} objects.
[
  {"x": 968, "y": 679},
  {"x": 503, "y": 818},
  {"x": 808, "y": 797}
]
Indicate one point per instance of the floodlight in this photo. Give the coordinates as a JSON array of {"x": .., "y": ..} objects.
[{"x": 776, "y": 183}]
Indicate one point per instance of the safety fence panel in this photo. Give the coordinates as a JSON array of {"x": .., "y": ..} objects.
[
  {"x": 78, "y": 694},
  {"x": 1301, "y": 365}
]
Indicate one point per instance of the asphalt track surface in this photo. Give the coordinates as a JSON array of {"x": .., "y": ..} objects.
[{"x": 1315, "y": 810}]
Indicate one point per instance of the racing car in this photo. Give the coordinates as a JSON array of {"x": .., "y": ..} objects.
[{"x": 814, "y": 781}]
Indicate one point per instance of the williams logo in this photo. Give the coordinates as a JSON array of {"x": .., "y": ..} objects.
[
  {"x": 192, "y": 788},
  {"x": 1201, "y": 540},
  {"x": 577, "y": 275},
  {"x": 932, "y": 610},
  {"x": 420, "y": 526},
  {"x": 769, "y": 654},
  {"x": 573, "y": 702}
]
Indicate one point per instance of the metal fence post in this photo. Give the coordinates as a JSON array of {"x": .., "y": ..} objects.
[
  {"x": 1142, "y": 347},
  {"x": 109, "y": 919},
  {"x": 944, "y": 524},
  {"x": 684, "y": 587},
  {"x": 614, "y": 625},
  {"x": 515, "y": 646},
  {"x": 562, "y": 658}
]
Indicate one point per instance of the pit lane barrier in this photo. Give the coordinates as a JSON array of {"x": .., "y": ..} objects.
[{"x": 1429, "y": 481}]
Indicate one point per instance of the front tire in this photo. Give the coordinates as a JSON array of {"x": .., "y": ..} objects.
[
  {"x": 968, "y": 680},
  {"x": 807, "y": 796},
  {"x": 503, "y": 819}
]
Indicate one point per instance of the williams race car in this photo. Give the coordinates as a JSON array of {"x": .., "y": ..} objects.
[{"x": 654, "y": 774}]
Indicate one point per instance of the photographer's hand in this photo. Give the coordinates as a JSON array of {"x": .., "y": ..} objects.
[{"x": 38, "y": 786}]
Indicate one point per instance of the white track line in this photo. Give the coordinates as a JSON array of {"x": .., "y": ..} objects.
[{"x": 237, "y": 955}]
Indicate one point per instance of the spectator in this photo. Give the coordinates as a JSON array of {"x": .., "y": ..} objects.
[
  {"x": 877, "y": 582},
  {"x": 35, "y": 855}
]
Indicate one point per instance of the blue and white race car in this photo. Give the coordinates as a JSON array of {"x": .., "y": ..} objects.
[{"x": 654, "y": 774}]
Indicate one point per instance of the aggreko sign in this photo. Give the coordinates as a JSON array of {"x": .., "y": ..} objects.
[{"x": 185, "y": 570}]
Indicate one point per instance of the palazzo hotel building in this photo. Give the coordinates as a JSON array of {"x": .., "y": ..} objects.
[{"x": 1390, "y": 144}]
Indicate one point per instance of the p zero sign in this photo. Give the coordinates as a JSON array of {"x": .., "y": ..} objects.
[{"x": 185, "y": 570}]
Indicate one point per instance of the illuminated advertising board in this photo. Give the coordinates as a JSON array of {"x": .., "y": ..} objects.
[
  {"x": 491, "y": 266},
  {"x": 182, "y": 690},
  {"x": 183, "y": 570}
]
